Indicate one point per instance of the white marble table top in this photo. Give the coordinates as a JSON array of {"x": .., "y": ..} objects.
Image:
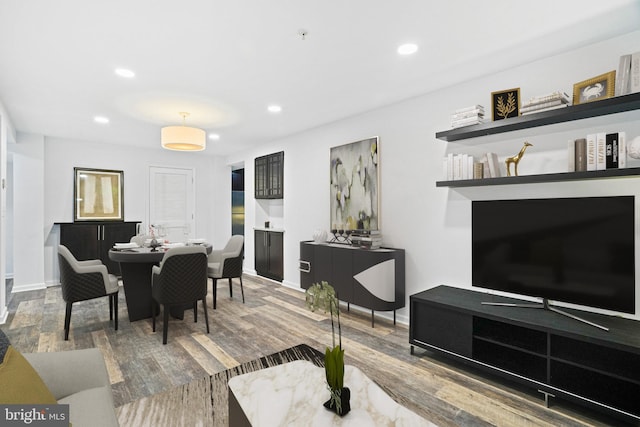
[{"x": 292, "y": 394}]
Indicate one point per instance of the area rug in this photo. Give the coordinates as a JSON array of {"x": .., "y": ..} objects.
[{"x": 203, "y": 402}]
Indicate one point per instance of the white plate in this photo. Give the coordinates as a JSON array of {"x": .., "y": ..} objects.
[{"x": 125, "y": 245}]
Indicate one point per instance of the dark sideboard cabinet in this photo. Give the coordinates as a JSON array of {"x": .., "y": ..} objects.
[
  {"x": 554, "y": 354},
  {"x": 369, "y": 278},
  {"x": 269, "y": 176},
  {"x": 92, "y": 240},
  {"x": 269, "y": 254}
]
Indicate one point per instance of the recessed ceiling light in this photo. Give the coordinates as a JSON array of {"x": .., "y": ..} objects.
[
  {"x": 407, "y": 49},
  {"x": 101, "y": 119},
  {"x": 274, "y": 108},
  {"x": 214, "y": 136},
  {"x": 123, "y": 72}
]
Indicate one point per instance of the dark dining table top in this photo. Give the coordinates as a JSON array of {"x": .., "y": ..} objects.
[{"x": 142, "y": 254}]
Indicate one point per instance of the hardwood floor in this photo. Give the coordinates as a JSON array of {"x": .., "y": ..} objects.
[{"x": 272, "y": 319}]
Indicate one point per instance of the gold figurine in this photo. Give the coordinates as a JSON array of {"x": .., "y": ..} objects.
[{"x": 515, "y": 159}]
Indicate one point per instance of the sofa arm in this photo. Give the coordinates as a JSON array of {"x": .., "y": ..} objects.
[{"x": 69, "y": 372}]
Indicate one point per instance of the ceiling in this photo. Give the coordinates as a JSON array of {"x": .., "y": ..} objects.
[{"x": 224, "y": 62}]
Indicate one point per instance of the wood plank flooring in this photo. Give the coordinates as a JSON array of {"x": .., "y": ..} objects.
[{"x": 272, "y": 319}]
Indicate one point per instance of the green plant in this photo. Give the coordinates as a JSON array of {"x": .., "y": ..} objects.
[{"x": 323, "y": 296}]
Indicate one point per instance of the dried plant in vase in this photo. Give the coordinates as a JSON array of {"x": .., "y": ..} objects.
[{"x": 323, "y": 296}]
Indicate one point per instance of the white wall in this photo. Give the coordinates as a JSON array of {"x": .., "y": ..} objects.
[
  {"x": 433, "y": 224},
  {"x": 29, "y": 236}
]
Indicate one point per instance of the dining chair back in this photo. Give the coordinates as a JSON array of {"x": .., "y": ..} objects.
[
  {"x": 84, "y": 280},
  {"x": 226, "y": 263},
  {"x": 180, "y": 281}
]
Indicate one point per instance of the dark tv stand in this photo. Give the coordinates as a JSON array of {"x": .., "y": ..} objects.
[
  {"x": 549, "y": 352},
  {"x": 546, "y": 306}
]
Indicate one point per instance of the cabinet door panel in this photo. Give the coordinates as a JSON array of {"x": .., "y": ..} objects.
[
  {"x": 342, "y": 273},
  {"x": 81, "y": 240},
  {"x": 261, "y": 252},
  {"x": 307, "y": 265},
  {"x": 443, "y": 328},
  {"x": 261, "y": 178},
  {"x": 276, "y": 255},
  {"x": 322, "y": 265}
]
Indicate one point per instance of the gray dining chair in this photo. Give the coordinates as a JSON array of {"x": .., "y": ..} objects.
[
  {"x": 227, "y": 264},
  {"x": 85, "y": 280},
  {"x": 179, "y": 281}
]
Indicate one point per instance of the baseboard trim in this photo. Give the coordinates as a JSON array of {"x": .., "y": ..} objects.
[{"x": 27, "y": 287}]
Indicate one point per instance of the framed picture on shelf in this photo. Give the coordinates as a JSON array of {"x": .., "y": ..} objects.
[
  {"x": 595, "y": 89},
  {"x": 98, "y": 195},
  {"x": 505, "y": 104}
]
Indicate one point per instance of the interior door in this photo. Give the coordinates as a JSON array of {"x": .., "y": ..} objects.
[{"x": 172, "y": 203}]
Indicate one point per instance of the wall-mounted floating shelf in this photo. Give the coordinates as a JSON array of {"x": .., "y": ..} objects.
[
  {"x": 549, "y": 177},
  {"x": 604, "y": 107}
]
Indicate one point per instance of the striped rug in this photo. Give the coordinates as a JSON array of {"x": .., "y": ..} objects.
[{"x": 203, "y": 402}]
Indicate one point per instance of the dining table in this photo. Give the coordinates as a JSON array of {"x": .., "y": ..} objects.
[{"x": 136, "y": 264}]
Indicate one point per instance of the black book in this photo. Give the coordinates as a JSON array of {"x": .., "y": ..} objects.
[{"x": 611, "y": 150}]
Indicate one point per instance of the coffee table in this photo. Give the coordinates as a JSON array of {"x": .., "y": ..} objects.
[{"x": 292, "y": 394}]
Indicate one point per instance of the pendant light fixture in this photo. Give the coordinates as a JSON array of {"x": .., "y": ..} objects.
[{"x": 183, "y": 138}]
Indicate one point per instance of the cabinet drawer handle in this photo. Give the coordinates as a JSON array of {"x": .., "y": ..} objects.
[{"x": 304, "y": 266}]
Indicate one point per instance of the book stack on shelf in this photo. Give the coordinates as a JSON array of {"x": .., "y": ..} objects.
[
  {"x": 366, "y": 239},
  {"x": 551, "y": 101},
  {"x": 598, "y": 151},
  {"x": 467, "y": 116},
  {"x": 463, "y": 166}
]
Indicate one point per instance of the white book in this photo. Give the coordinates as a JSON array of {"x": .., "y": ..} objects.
[
  {"x": 465, "y": 109},
  {"x": 635, "y": 73},
  {"x": 538, "y": 110},
  {"x": 485, "y": 167},
  {"x": 601, "y": 151},
  {"x": 466, "y": 121},
  {"x": 494, "y": 166},
  {"x": 467, "y": 114},
  {"x": 558, "y": 94},
  {"x": 470, "y": 167},
  {"x": 571, "y": 156},
  {"x": 623, "y": 81},
  {"x": 465, "y": 166},
  {"x": 540, "y": 105},
  {"x": 457, "y": 167},
  {"x": 591, "y": 153},
  {"x": 450, "y": 167},
  {"x": 622, "y": 150}
]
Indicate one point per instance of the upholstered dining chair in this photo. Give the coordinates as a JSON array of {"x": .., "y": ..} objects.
[
  {"x": 179, "y": 281},
  {"x": 227, "y": 264},
  {"x": 84, "y": 280}
]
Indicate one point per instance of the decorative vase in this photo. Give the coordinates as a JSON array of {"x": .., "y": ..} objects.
[
  {"x": 633, "y": 149},
  {"x": 320, "y": 236},
  {"x": 345, "y": 405},
  {"x": 154, "y": 244}
]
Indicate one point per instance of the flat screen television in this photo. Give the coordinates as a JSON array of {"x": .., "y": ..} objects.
[{"x": 575, "y": 250}]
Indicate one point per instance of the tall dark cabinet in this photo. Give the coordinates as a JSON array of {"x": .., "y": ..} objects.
[
  {"x": 269, "y": 176},
  {"x": 269, "y": 257},
  {"x": 93, "y": 240}
]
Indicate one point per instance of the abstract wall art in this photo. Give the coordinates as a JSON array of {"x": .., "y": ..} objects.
[{"x": 355, "y": 185}]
